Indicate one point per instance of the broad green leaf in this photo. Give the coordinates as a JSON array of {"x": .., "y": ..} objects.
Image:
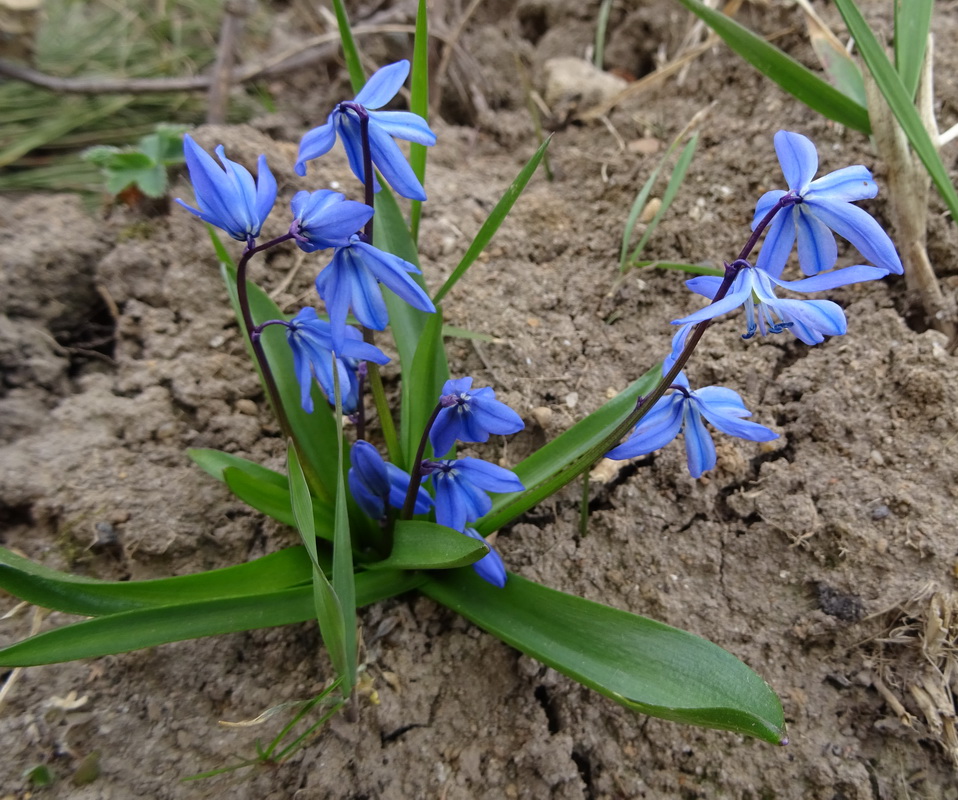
[
  {"x": 329, "y": 613},
  {"x": 149, "y": 627},
  {"x": 894, "y": 92},
  {"x": 73, "y": 594},
  {"x": 419, "y": 104},
  {"x": 350, "y": 52},
  {"x": 495, "y": 219},
  {"x": 215, "y": 462},
  {"x": 426, "y": 376},
  {"x": 566, "y": 457},
  {"x": 419, "y": 544},
  {"x": 343, "y": 580},
  {"x": 912, "y": 24},
  {"x": 642, "y": 664},
  {"x": 275, "y": 502},
  {"x": 315, "y": 433},
  {"x": 794, "y": 78},
  {"x": 408, "y": 325},
  {"x": 671, "y": 190}
]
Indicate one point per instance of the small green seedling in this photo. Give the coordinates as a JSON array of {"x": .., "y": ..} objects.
[{"x": 141, "y": 170}]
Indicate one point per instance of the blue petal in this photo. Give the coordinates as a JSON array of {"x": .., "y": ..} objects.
[
  {"x": 849, "y": 183},
  {"x": 265, "y": 193},
  {"x": 391, "y": 271},
  {"x": 390, "y": 161},
  {"x": 316, "y": 143},
  {"x": 705, "y": 285},
  {"x": 404, "y": 125},
  {"x": 764, "y": 205},
  {"x": 723, "y": 408},
  {"x": 678, "y": 345},
  {"x": 444, "y": 431},
  {"x": 740, "y": 292},
  {"x": 304, "y": 372},
  {"x": 699, "y": 447},
  {"x": 798, "y": 158},
  {"x": 490, "y": 567},
  {"x": 494, "y": 416},
  {"x": 457, "y": 386},
  {"x": 860, "y": 228},
  {"x": 837, "y": 277},
  {"x": 399, "y": 486},
  {"x": 779, "y": 238},
  {"x": 655, "y": 430},
  {"x": 350, "y": 131},
  {"x": 488, "y": 476},
  {"x": 383, "y": 85},
  {"x": 812, "y": 320},
  {"x": 369, "y": 465},
  {"x": 371, "y": 505},
  {"x": 817, "y": 250}
]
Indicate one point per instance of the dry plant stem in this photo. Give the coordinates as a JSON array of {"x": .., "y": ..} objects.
[
  {"x": 231, "y": 34},
  {"x": 908, "y": 190}
]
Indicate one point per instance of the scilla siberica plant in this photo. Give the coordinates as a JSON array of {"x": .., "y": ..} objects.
[{"x": 391, "y": 506}]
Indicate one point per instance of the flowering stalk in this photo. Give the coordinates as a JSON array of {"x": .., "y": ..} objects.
[
  {"x": 415, "y": 477},
  {"x": 253, "y": 334}
]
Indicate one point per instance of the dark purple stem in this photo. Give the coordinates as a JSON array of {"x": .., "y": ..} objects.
[
  {"x": 368, "y": 174},
  {"x": 785, "y": 201},
  {"x": 416, "y": 477}
]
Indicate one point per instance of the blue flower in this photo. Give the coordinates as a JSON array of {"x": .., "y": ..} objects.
[
  {"x": 490, "y": 567},
  {"x": 470, "y": 416},
  {"x": 809, "y": 320},
  {"x": 461, "y": 486},
  {"x": 682, "y": 411},
  {"x": 374, "y": 483},
  {"x": 326, "y": 219},
  {"x": 822, "y": 204},
  {"x": 310, "y": 339},
  {"x": 384, "y": 126},
  {"x": 227, "y": 196},
  {"x": 351, "y": 281}
]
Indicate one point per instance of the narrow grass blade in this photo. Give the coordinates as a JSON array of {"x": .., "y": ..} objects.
[
  {"x": 601, "y": 30},
  {"x": 61, "y": 591},
  {"x": 149, "y": 627},
  {"x": 419, "y": 104},
  {"x": 566, "y": 457},
  {"x": 671, "y": 190},
  {"x": 912, "y": 24},
  {"x": 695, "y": 269},
  {"x": 639, "y": 663},
  {"x": 834, "y": 58},
  {"x": 350, "y": 52},
  {"x": 329, "y": 612},
  {"x": 641, "y": 199},
  {"x": 891, "y": 87},
  {"x": 495, "y": 219},
  {"x": 794, "y": 78}
]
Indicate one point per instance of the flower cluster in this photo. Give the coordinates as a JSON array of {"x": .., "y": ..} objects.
[{"x": 810, "y": 211}]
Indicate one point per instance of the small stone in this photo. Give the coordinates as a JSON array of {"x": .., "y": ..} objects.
[
  {"x": 246, "y": 406},
  {"x": 543, "y": 416}
]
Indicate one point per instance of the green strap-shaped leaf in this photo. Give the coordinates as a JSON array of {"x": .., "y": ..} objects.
[
  {"x": 425, "y": 377},
  {"x": 73, "y": 594},
  {"x": 642, "y": 664},
  {"x": 894, "y": 92},
  {"x": 912, "y": 24},
  {"x": 794, "y": 78},
  {"x": 418, "y": 544},
  {"x": 149, "y": 627},
  {"x": 350, "y": 52},
  {"x": 419, "y": 104},
  {"x": 329, "y": 612},
  {"x": 495, "y": 219},
  {"x": 566, "y": 457},
  {"x": 215, "y": 463}
]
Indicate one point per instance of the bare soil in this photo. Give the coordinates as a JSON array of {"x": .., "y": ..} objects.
[{"x": 826, "y": 561}]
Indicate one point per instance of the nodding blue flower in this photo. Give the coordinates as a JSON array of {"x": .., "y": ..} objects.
[
  {"x": 461, "y": 488},
  {"x": 351, "y": 281},
  {"x": 809, "y": 320},
  {"x": 470, "y": 415},
  {"x": 326, "y": 219},
  {"x": 822, "y": 206},
  {"x": 310, "y": 339},
  {"x": 376, "y": 484},
  {"x": 490, "y": 567},
  {"x": 384, "y": 127},
  {"x": 678, "y": 345},
  {"x": 227, "y": 196},
  {"x": 683, "y": 411}
]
